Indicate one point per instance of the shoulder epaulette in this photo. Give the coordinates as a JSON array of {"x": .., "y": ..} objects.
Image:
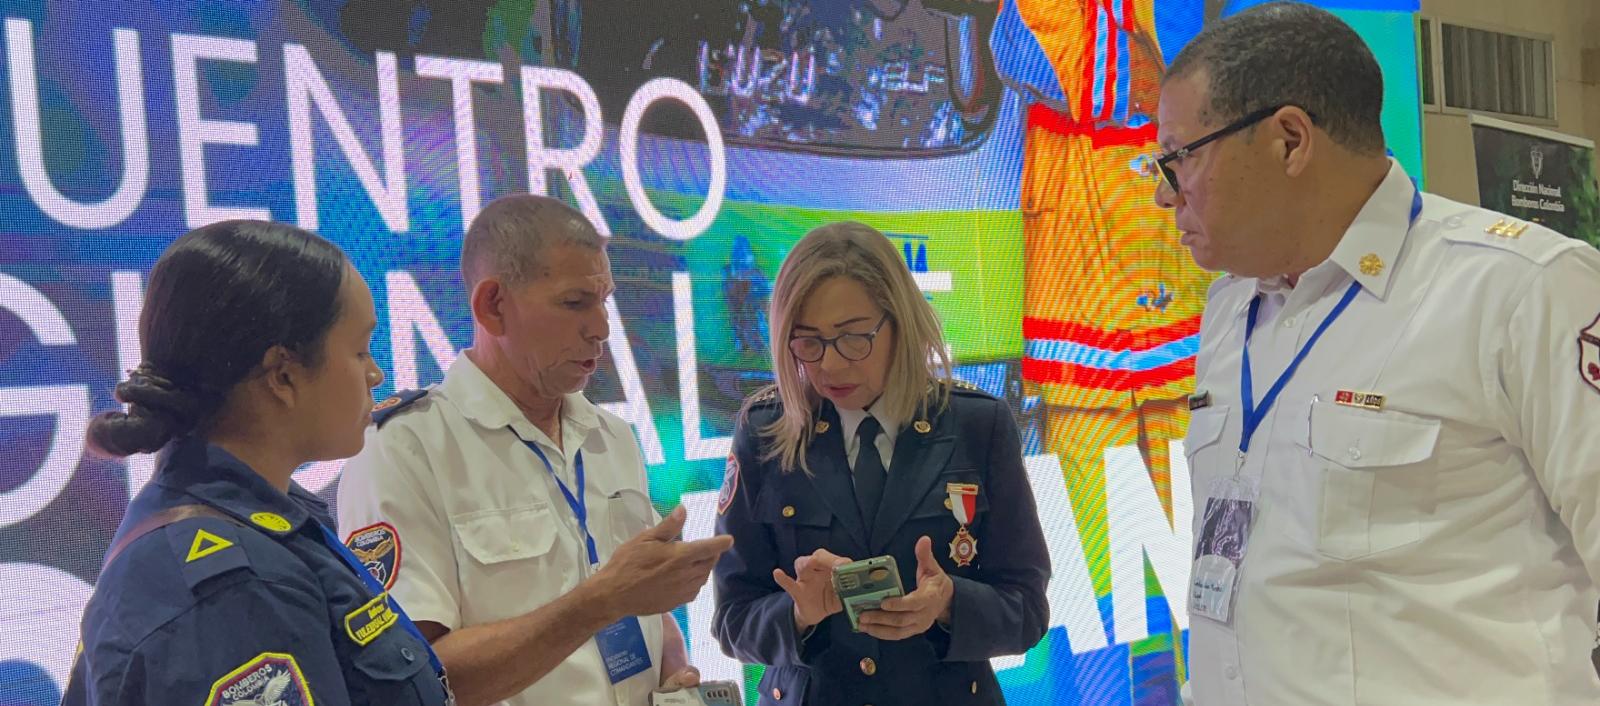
[
  {"x": 386, "y": 409},
  {"x": 1531, "y": 241},
  {"x": 764, "y": 395},
  {"x": 967, "y": 388},
  {"x": 205, "y": 547}
]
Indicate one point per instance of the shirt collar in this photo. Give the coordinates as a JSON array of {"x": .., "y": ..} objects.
[
  {"x": 213, "y": 476},
  {"x": 850, "y": 419},
  {"x": 483, "y": 402},
  {"x": 1371, "y": 247}
]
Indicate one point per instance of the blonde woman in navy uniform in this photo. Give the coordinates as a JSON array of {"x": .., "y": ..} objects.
[
  {"x": 866, "y": 447},
  {"x": 224, "y": 585}
]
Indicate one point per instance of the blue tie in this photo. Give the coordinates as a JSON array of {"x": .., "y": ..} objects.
[{"x": 869, "y": 471}]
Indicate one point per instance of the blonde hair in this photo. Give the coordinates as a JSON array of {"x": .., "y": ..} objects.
[{"x": 919, "y": 371}]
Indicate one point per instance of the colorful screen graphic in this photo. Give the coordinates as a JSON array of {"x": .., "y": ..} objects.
[{"x": 1000, "y": 145}]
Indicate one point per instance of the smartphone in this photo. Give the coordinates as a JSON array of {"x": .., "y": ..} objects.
[
  {"x": 863, "y": 585},
  {"x": 711, "y": 693}
]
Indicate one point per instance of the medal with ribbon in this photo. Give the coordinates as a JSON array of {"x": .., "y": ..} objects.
[{"x": 964, "y": 506}]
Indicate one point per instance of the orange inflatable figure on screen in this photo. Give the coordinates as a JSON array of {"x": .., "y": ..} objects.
[{"x": 1112, "y": 300}]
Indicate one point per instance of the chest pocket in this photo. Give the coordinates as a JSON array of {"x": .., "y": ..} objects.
[
  {"x": 1377, "y": 478},
  {"x": 509, "y": 547},
  {"x": 800, "y": 521},
  {"x": 1201, "y": 447},
  {"x": 628, "y": 512}
]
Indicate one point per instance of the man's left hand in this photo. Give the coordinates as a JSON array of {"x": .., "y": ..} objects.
[{"x": 914, "y": 613}]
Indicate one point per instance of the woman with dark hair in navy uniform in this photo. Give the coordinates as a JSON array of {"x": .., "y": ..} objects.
[
  {"x": 224, "y": 585},
  {"x": 864, "y": 448}
]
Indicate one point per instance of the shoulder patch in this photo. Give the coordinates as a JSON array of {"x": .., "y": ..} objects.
[
  {"x": 1535, "y": 243},
  {"x": 269, "y": 678},
  {"x": 205, "y": 544},
  {"x": 385, "y": 410},
  {"x": 378, "y": 548},
  {"x": 1589, "y": 354},
  {"x": 730, "y": 484},
  {"x": 205, "y": 548}
]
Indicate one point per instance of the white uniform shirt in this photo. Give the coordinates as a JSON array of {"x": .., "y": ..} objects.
[
  {"x": 485, "y": 533},
  {"x": 1441, "y": 550}
]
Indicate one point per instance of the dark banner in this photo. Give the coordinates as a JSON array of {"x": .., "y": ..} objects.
[{"x": 1537, "y": 175}]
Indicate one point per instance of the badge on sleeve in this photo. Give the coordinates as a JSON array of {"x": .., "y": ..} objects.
[
  {"x": 1589, "y": 354},
  {"x": 730, "y": 484},
  {"x": 270, "y": 678},
  {"x": 366, "y": 623},
  {"x": 378, "y": 548}
]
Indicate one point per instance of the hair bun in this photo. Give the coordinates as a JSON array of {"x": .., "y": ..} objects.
[{"x": 158, "y": 411}]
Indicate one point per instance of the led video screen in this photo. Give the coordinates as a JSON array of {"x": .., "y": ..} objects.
[{"x": 1003, "y": 147}]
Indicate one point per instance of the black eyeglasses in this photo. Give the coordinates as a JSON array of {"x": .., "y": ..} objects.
[
  {"x": 851, "y": 346},
  {"x": 1161, "y": 162}
]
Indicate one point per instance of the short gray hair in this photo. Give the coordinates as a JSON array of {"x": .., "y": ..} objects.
[
  {"x": 1290, "y": 53},
  {"x": 509, "y": 236}
]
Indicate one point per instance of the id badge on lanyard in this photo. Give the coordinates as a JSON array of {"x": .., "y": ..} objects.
[
  {"x": 622, "y": 644},
  {"x": 1224, "y": 534},
  {"x": 1230, "y": 509}
]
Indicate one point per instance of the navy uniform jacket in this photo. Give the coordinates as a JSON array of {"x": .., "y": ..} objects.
[
  {"x": 999, "y": 606},
  {"x": 260, "y": 611}
]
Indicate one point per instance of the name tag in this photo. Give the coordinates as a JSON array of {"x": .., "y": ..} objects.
[{"x": 623, "y": 649}]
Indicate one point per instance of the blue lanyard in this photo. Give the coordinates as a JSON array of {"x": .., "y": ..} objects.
[
  {"x": 578, "y": 503},
  {"x": 1253, "y": 415},
  {"x": 377, "y": 589}
]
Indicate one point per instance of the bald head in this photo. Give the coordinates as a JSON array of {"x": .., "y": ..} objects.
[{"x": 511, "y": 235}]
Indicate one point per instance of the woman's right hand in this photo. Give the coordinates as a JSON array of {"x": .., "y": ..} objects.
[{"x": 812, "y": 587}]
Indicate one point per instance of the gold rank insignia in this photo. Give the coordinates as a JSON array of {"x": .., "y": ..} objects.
[
  {"x": 821, "y": 427},
  {"x": 1371, "y": 264},
  {"x": 1507, "y": 228},
  {"x": 922, "y": 426}
]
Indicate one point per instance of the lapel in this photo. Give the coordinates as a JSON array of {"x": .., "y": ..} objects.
[
  {"x": 918, "y": 463},
  {"x": 830, "y": 474}
]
